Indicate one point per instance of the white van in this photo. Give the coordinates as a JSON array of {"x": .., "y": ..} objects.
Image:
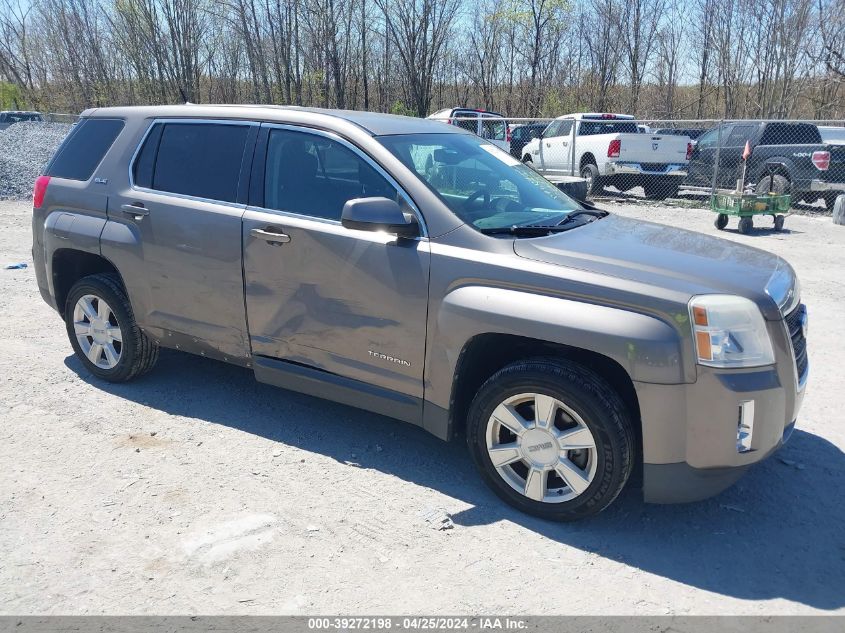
[{"x": 488, "y": 125}]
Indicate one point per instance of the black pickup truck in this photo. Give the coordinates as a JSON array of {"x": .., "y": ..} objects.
[{"x": 803, "y": 164}]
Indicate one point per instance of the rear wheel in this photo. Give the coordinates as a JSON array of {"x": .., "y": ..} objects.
[
  {"x": 773, "y": 184},
  {"x": 661, "y": 189},
  {"x": 103, "y": 332},
  {"x": 590, "y": 173},
  {"x": 721, "y": 221},
  {"x": 830, "y": 199},
  {"x": 745, "y": 225},
  {"x": 551, "y": 438}
]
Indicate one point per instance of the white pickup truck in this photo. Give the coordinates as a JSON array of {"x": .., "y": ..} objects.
[{"x": 609, "y": 150}]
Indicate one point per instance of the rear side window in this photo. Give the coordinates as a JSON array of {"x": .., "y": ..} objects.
[
  {"x": 195, "y": 159},
  {"x": 590, "y": 128},
  {"x": 790, "y": 134},
  {"x": 84, "y": 148}
]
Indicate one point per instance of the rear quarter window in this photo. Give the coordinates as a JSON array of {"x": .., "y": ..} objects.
[{"x": 84, "y": 148}]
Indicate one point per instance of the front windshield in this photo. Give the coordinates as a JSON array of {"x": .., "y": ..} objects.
[{"x": 484, "y": 186}]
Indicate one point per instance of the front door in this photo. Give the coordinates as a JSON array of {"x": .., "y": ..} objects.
[
  {"x": 350, "y": 303},
  {"x": 557, "y": 150}
]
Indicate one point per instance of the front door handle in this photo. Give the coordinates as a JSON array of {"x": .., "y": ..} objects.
[
  {"x": 273, "y": 237},
  {"x": 136, "y": 210}
]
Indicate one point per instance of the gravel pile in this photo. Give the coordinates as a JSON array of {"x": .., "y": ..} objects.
[{"x": 24, "y": 150}]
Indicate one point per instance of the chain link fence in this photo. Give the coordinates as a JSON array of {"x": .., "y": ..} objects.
[{"x": 691, "y": 159}]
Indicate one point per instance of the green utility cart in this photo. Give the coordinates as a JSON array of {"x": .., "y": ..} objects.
[
  {"x": 771, "y": 200},
  {"x": 747, "y": 205}
]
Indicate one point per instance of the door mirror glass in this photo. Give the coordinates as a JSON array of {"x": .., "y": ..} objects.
[{"x": 379, "y": 214}]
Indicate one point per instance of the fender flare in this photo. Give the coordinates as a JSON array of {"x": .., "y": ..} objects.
[{"x": 648, "y": 348}]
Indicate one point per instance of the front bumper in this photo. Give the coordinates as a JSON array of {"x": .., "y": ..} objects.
[
  {"x": 823, "y": 185},
  {"x": 645, "y": 169},
  {"x": 699, "y": 438}
]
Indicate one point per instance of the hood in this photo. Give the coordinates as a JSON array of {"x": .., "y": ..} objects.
[{"x": 661, "y": 256}]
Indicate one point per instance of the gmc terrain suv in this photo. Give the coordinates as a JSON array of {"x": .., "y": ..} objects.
[{"x": 415, "y": 270}]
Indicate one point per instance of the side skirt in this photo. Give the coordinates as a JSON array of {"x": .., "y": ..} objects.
[{"x": 323, "y": 384}]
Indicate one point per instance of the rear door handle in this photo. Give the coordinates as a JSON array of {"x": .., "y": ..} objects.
[
  {"x": 272, "y": 237},
  {"x": 137, "y": 210}
]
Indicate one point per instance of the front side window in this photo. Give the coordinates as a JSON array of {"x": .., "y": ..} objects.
[
  {"x": 484, "y": 186},
  {"x": 563, "y": 128},
  {"x": 712, "y": 137},
  {"x": 316, "y": 176},
  {"x": 740, "y": 135}
]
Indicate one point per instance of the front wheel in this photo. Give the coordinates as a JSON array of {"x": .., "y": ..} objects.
[
  {"x": 551, "y": 438},
  {"x": 779, "y": 219},
  {"x": 103, "y": 332},
  {"x": 745, "y": 225},
  {"x": 721, "y": 221},
  {"x": 590, "y": 173}
]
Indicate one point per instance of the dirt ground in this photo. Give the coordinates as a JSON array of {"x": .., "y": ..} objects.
[{"x": 198, "y": 490}]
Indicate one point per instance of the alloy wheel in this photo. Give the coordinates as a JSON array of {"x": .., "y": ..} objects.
[
  {"x": 541, "y": 448},
  {"x": 97, "y": 331}
]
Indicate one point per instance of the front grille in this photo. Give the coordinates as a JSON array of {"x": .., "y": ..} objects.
[{"x": 794, "y": 322}]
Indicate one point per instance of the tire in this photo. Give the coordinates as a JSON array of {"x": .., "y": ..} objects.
[
  {"x": 777, "y": 184},
  {"x": 661, "y": 189},
  {"x": 583, "y": 402},
  {"x": 124, "y": 352},
  {"x": 590, "y": 173},
  {"x": 779, "y": 219},
  {"x": 830, "y": 199},
  {"x": 721, "y": 221},
  {"x": 745, "y": 225}
]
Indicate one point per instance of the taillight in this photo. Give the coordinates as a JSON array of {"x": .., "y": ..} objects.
[
  {"x": 614, "y": 148},
  {"x": 508, "y": 133},
  {"x": 39, "y": 190},
  {"x": 689, "y": 151},
  {"x": 821, "y": 160},
  {"x": 449, "y": 122}
]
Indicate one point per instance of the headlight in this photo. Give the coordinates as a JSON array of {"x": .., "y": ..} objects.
[
  {"x": 729, "y": 331},
  {"x": 783, "y": 287}
]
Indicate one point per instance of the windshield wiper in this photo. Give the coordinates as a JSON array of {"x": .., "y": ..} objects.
[
  {"x": 596, "y": 213},
  {"x": 526, "y": 229},
  {"x": 545, "y": 229}
]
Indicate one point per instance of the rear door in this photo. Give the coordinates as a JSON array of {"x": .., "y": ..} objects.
[
  {"x": 175, "y": 232},
  {"x": 348, "y": 303}
]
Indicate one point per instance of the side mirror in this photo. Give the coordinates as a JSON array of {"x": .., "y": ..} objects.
[{"x": 379, "y": 214}]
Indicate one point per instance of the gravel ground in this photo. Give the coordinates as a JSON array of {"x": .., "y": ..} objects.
[
  {"x": 197, "y": 490},
  {"x": 25, "y": 149}
]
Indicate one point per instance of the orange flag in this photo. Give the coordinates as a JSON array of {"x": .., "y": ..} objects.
[{"x": 747, "y": 151}]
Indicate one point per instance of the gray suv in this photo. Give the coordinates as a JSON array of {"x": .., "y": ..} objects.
[{"x": 417, "y": 271}]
